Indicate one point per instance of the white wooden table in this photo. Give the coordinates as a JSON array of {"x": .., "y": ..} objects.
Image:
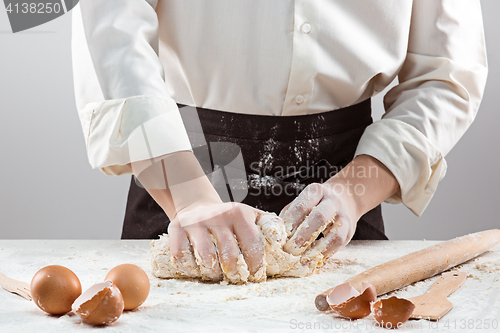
[{"x": 278, "y": 305}]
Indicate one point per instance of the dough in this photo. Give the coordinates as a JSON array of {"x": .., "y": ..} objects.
[{"x": 277, "y": 262}]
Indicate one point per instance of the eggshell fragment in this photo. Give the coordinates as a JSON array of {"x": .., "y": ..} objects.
[
  {"x": 101, "y": 304},
  {"x": 54, "y": 288},
  {"x": 347, "y": 302},
  {"x": 392, "y": 312},
  {"x": 133, "y": 283}
]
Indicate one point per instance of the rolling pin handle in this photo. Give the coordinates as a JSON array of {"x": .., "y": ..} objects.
[{"x": 321, "y": 303}]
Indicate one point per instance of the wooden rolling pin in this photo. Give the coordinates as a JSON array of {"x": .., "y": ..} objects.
[{"x": 421, "y": 264}]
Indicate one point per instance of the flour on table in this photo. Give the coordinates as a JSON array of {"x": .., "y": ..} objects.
[{"x": 277, "y": 262}]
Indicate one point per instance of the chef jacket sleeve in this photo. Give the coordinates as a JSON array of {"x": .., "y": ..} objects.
[
  {"x": 441, "y": 84},
  {"x": 125, "y": 110}
]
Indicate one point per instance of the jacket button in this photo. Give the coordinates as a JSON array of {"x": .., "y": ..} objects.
[
  {"x": 299, "y": 99},
  {"x": 306, "y": 28}
]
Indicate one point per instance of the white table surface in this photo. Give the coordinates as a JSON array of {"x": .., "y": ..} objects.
[{"x": 278, "y": 305}]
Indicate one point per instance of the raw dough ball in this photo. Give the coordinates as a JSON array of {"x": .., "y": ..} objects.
[{"x": 277, "y": 261}]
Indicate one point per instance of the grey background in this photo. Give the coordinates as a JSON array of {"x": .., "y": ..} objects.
[{"x": 48, "y": 190}]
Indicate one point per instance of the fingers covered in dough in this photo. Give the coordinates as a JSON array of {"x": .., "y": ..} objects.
[
  {"x": 205, "y": 252},
  {"x": 295, "y": 213},
  {"x": 182, "y": 253}
]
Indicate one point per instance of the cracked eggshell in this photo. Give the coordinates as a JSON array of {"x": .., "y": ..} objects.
[
  {"x": 54, "y": 288},
  {"x": 101, "y": 304},
  {"x": 347, "y": 302},
  {"x": 133, "y": 283},
  {"x": 392, "y": 311}
]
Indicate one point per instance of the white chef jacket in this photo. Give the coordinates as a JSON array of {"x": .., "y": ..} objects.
[{"x": 133, "y": 60}]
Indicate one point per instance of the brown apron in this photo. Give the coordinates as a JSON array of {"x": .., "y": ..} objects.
[{"x": 281, "y": 156}]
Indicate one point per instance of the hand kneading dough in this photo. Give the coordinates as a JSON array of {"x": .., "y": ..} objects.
[{"x": 277, "y": 261}]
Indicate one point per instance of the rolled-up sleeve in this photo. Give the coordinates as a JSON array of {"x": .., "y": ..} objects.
[
  {"x": 125, "y": 110},
  {"x": 441, "y": 84}
]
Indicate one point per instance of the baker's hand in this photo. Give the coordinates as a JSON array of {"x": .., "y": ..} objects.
[
  {"x": 334, "y": 208},
  {"x": 217, "y": 232},
  {"x": 327, "y": 208},
  {"x": 218, "y": 236}
]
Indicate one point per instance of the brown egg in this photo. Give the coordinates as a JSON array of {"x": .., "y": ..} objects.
[
  {"x": 133, "y": 282},
  {"x": 347, "y": 302},
  {"x": 54, "y": 288},
  {"x": 392, "y": 312},
  {"x": 101, "y": 304}
]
